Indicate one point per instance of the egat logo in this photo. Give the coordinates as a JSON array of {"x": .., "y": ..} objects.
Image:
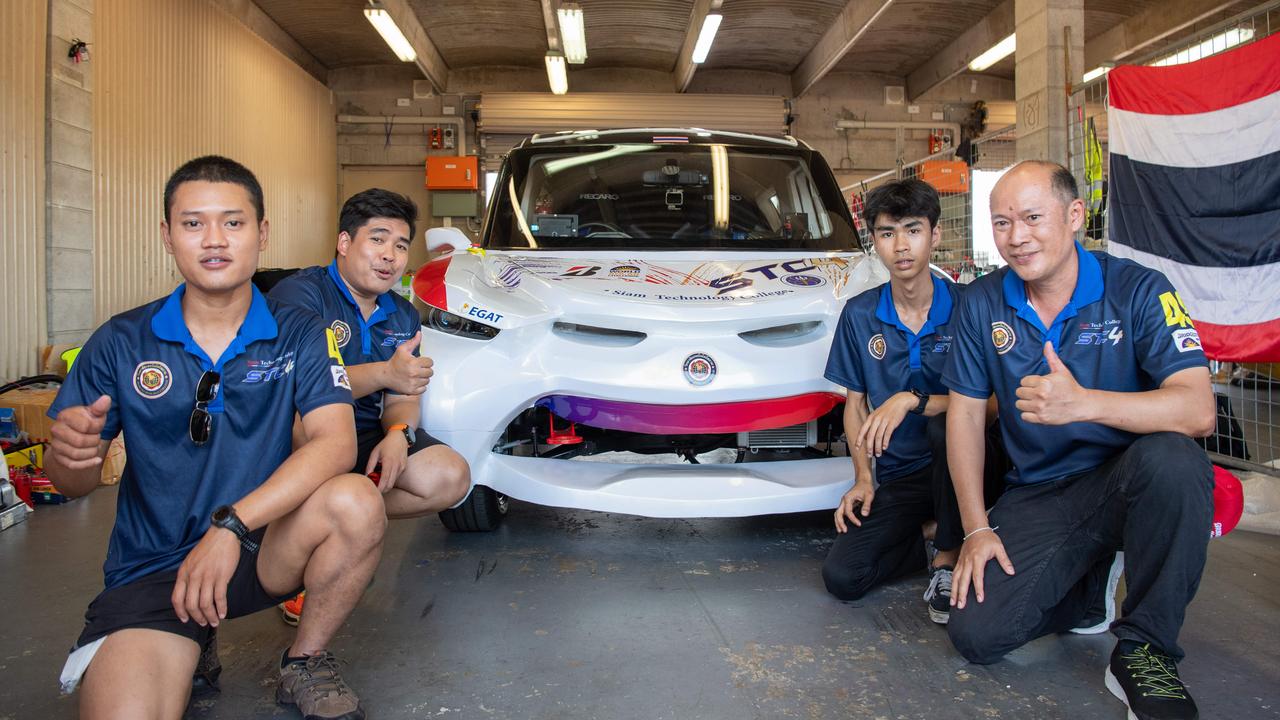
[{"x": 480, "y": 313}]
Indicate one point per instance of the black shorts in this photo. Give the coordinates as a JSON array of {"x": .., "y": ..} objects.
[
  {"x": 368, "y": 439},
  {"x": 146, "y": 602}
]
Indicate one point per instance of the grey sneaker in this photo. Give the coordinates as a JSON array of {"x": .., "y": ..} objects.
[
  {"x": 317, "y": 688},
  {"x": 938, "y": 594},
  {"x": 1103, "y": 612}
]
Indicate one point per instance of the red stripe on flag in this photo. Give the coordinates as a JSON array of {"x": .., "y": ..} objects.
[
  {"x": 1219, "y": 81},
  {"x": 1258, "y": 342},
  {"x": 428, "y": 283}
]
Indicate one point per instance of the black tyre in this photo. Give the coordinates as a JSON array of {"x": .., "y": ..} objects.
[{"x": 481, "y": 512}]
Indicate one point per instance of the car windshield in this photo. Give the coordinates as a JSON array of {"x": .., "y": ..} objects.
[{"x": 668, "y": 197}]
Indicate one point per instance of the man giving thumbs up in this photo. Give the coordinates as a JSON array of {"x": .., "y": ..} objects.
[
  {"x": 1101, "y": 388},
  {"x": 378, "y": 334}
]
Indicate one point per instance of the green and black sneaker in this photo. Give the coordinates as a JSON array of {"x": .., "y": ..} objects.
[{"x": 1146, "y": 679}]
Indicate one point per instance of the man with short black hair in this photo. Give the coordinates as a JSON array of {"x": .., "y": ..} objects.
[
  {"x": 1101, "y": 384},
  {"x": 889, "y": 350},
  {"x": 217, "y": 515},
  {"x": 379, "y": 333}
]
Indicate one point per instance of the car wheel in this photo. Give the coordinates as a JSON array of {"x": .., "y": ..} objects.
[{"x": 482, "y": 511}]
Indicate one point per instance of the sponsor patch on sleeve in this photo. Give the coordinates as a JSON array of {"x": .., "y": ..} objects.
[
  {"x": 1187, "y": 340},
  {"x": 339, "y": 376}
]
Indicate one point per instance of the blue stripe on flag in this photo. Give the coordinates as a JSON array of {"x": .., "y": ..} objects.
[{"x": 1225, "y": 216}]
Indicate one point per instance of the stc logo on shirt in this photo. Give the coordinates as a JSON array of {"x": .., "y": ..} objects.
[
  {"x": 264, "y": 371},
  {"x": 1108, "y": 333}
]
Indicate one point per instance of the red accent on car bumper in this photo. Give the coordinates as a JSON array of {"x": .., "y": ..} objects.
[{"x": 707, "y": 418}]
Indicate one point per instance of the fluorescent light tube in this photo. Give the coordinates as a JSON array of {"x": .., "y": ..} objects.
[
  {"x": 557, "y": 76},
  {"x": 1212, "y": 46},
  {"x": 1095, "y": 73},
  {"x": 386, "y": 27},
  {"x": 707, "y": 36},
  {"x": 998, "y": 52},
  {"x": 573, "y": 35}
]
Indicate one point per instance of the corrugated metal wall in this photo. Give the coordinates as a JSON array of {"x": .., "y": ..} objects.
[
  {"x": 23, "y": 38},
  {"x": 176, "y": 79}
]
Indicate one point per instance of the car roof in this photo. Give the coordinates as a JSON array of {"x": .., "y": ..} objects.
[{"x": 646, "y": 136}]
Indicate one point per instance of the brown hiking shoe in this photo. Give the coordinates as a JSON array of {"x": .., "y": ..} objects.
[{"x": 317, "y": 688}]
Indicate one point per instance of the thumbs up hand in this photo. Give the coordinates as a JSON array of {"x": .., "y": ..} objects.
[
  {"x": 76, "y": 433},
  {"x": 1053, "y": 399},
  {"x": 406, "y": 373}
]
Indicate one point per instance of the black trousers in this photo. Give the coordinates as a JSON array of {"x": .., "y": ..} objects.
[
  {"x": 889, "y": 544},
  {"x": 1154, "y": 501}
]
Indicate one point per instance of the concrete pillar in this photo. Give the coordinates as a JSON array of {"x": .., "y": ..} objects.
[
  {"x": 1050, "y": 42},
  {"x": 69, "y": 177}
]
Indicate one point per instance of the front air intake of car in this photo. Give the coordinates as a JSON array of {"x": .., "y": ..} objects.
[
  {"x": 782, "y": 335},
  {"x": 592, "y": 335}
]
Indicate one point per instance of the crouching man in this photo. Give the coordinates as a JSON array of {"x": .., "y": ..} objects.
[
  {"x": 1101, "y": 385},
  {"x": 216, "y": 516}
]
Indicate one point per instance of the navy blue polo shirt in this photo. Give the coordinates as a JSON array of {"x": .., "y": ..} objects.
[
  {"x": 875, "y": 354},
  {"x": 278, "y": 364},
  {"x": 1125, "y": 329},
  {"x": 394, "y": 321}
]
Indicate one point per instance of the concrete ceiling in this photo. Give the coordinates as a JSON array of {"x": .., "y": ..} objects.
[{"x": 803, "y": 38}]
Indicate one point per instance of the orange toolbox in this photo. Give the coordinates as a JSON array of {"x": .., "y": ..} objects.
[
  {"x": 946, "y": 176},
  {"x": 453, "y": 173}
]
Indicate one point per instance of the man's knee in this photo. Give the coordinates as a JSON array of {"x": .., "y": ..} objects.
[
  {"x": 846, "y": 582},
  {"x": 1170, "y": 464},
  {"x": 455, "y": 475},
  {"x": 976, "y": 637},
  {"x": 355, "y": 506}
]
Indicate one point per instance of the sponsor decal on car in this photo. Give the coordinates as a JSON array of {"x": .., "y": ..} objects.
[
  {"x": 699, "y": 369},
  {"x": 480, "y": 313},
  {"x": 804, "y": 280},
  {"x": 625, "y": 272}
]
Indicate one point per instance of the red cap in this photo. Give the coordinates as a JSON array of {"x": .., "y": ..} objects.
[{"x": 1228, "y": 502}]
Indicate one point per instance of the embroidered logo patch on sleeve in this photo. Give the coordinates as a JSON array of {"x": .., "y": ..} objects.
[{"x": 339, "y": 376}]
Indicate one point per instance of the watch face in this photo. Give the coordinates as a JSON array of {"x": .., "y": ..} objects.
[{"x": 222, "y": 514}]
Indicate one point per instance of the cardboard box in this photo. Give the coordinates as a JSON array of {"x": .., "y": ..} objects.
[{"x": 29, "y": 408}]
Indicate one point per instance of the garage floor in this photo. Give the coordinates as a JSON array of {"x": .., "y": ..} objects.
[{"x": 569, "y": 614}]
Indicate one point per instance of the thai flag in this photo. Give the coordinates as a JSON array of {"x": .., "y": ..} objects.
[{"x": 1195, "y": 189}]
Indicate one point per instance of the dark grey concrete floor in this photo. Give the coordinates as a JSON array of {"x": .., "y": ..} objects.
[{"x": 571, "y": 614}]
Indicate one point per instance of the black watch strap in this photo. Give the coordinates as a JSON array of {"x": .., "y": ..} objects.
[
  {"x": 923, "y": 401},
  {"x": 225, "y": 517}
]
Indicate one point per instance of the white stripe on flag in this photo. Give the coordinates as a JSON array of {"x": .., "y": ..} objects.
[
  {"x": 1223, "y": 296},
  {"x": 1211, "y": 139}
]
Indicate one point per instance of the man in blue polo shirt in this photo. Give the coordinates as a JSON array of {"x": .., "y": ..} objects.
[
  {"x": 889, "y": 350},
  {"x": 378, "y": 333},
  {"x": 1101, "y": 384},
  {"x": 216, "y": 515}
]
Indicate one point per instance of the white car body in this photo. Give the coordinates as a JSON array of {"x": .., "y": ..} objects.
[
  {"x": 481, "y": 385},
  {"x": 642, "y": 347}
]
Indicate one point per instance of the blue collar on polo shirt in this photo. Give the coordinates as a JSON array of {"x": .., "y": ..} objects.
[
  {"x": 1088, "y": 290},
  {"x": 386, "y": 306},
  {"x": 939, "y": 314},
  {"x": 259, "y": 324}
]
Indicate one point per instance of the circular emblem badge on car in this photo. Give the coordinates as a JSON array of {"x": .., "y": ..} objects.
[
  {"x": 1002, "y": 337},
  {"x": 152, "y": 379},
  {"x": 875, "y": 346},
  {"x": 804, "y": 280},
  {"x": 699, "y": 369},
  {"x": 341, "y": 333}
]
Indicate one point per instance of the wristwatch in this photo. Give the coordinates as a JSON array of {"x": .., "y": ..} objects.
[
  {"x": 409, "y": 434},
  {"x": 924, "y": 400},
  {"x": 225, "y": 517}
]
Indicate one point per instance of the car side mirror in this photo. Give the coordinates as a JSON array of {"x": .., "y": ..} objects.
[{"x": 445, "y": 239}]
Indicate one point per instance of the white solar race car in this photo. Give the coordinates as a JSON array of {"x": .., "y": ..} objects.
[{"x": 643, "y": 295}]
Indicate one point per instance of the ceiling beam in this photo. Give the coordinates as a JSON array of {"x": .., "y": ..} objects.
[
  {"x": 549, "y": 8},
  {"x": 685, "y": 66},
  {"x": 261, "y": 24},
  {"x": 1143, "y": 30},
  {"x": 955, "y": 57},
  {"x": 429, "y": 60},
  {"x": 854, "y": 20}
]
